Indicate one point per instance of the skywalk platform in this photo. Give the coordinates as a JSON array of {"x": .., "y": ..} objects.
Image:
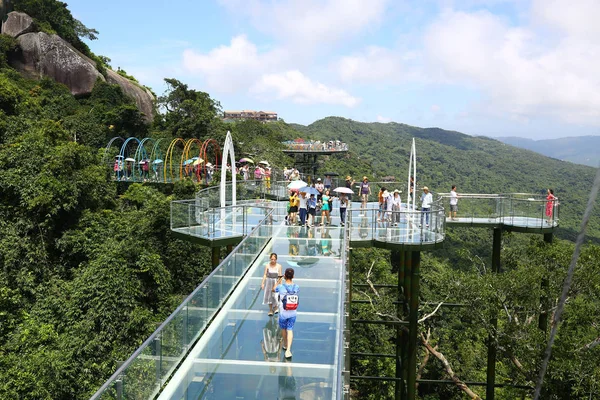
[{"x": 221, "y": 344}]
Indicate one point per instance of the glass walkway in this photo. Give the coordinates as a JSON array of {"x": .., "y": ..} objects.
[{"x": 221, "y": 344}]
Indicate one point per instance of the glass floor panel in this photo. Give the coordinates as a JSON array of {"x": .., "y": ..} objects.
[{"x": 240, "y": 356}]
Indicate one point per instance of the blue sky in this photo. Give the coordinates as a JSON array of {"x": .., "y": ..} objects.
[{"x": 482, "y": 67}]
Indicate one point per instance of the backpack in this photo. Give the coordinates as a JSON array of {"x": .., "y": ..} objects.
[{"x": 289, "y": 300}]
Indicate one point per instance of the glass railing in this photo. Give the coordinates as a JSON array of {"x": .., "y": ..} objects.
[
  {"x": 189, "y": 218},
  {"x": 316, "y": 147},
  {"x": 515, "y": 209},
  {"x": 403, "y": 226},
  {"x": 143, "y": 374}
]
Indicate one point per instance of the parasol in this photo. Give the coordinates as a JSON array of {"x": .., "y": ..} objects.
[{"x": 342, "y": 189}]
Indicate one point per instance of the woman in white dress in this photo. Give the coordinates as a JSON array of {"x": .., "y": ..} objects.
[{"x": 269, "y": 281}]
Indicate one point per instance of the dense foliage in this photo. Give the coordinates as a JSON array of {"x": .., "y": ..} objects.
[{"x": 89, "y": 267}]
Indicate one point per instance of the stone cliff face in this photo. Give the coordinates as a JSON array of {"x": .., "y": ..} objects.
[{"x": 43, "y": 55}]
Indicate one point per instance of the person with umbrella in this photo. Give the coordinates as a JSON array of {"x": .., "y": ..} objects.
[
  {"x": 294, "y": 202},
  {"x": 327, "y": 182},
  {"x": 343, "y": 207},
  {"x": 118, "y": 167},
  {"x": 312, "y": 210}
]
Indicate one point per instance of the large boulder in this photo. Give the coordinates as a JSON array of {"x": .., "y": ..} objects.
[
  {"x": 144, "y": 99},
  {"x": 49, "y": 55},
  {"x": 17, "y": 24}
]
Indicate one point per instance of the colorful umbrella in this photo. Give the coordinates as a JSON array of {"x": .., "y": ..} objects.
[
  {"x": 309, "y": 190},
  {"x": 198, "y": 161},
  {"x": 264, "y": 162},
  {"x": 188, "y": 162},
  {"x": 157, "y": 161},
  {"x": 296, "y": 185},
  {"x": 342, "y": 189},
  {"x": 246, "y": 159}
]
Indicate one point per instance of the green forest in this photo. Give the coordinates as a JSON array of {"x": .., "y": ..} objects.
[{"x": 90, "y": 268}]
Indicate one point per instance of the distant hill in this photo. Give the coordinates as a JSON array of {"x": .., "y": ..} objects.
[
  {"x": 579, "y": 150},
  {"x": 474, "y": 164}
]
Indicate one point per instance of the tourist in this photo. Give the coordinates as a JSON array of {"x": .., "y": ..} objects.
[
  {"x": 343, "y": 208},
  {"x": 349, "y": 184},
  {"x": 294, "y": 202},
  {"x": 312, "y": 210},
  {"x": 396, "y": 207},
  {"x": 325, "y": 208},
  {"x": 146, "y": 170},
  {"x": 288, "y": 302},
  {"x": 426, "y": 200},
  {"x": 380, "y": 201},
  {"x": 327, "y": 182},
  {"x": 453, "y": 203},
  {"x": 365, "y": 191},
  {"x": 268, "y": 177},
  {"x": 388, "y": 205},
  {"x": 320, "y": 188},
  {"x": 269, "y": 281},
  {"x": 303, "y": 208},
  {"x": 552, "y": 199}
]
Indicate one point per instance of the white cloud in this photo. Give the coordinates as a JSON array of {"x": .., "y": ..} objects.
[
  {"x": 577, "y": 18},
  {"x": 295, "y": 86},
  {"x": 375, "y": 64},
  {"x": 518, "y": 70},
  {"x": 310, "y": 22},
  {"x": 383, "y": 120},
  {"x": 227, "y": 68}
]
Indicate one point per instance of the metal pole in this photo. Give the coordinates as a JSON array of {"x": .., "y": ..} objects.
[
  {"x": 413, "y": 318},
  {"x": 491, "y": 356},
  {"x": 543, "y": 319},
  {"x": 216, "y": 251},
  {"x": 397, "y": 258},
  {"x": 406, "y": 300}
]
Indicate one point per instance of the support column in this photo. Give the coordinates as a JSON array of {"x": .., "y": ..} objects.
[
  {"x": 543, "y": 319},
  {"x": 397, "y": 261},
  {"x": 406, "y": 291},
  {"x": 492, "y": 347},
  {"x": 216, "y": 256},
  {"x": 413, "y": 318}
]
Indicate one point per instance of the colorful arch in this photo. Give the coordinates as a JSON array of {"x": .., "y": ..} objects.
[
  {"x": 204, "y": 153},
  {"x": 186, "y": 155},
  {"x": 168, "y": 161}
]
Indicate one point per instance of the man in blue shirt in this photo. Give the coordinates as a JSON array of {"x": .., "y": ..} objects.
[{"x": 287, "y": 317}]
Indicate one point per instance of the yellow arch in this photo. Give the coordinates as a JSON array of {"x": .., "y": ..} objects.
[
  {"x": 186, "y": 152},
  {"x": 169, "y": 159}
]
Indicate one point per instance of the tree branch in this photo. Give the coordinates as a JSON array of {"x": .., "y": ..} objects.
[
  {"x": 460, "y": 384},
  {"x": 591, "y": 345},
  {"x": 425, "y": 359}
]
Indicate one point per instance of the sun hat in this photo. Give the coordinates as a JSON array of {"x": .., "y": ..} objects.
[
  {"x": 425, "y": 188},
  {"x": 364, "y": 177},
  {"x": 318, "y": 179},
  {"x": 397, "y": 191},
  {"x": 348, "y": 178}
]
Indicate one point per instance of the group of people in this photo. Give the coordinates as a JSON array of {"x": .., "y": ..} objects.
[
  {"x": 281, "y": 295},
  {"x": 305, "y": 206}
]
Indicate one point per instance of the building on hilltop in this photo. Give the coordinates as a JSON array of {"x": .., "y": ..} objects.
[{"x": 263, "y": 116}]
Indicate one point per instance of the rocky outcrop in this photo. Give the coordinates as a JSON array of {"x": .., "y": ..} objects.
[
  {"x": 44, "y": 55},
  {"x": 142, "y": 96},
  {"x": 17, "y": 24},
  {"x": 49, "y": 55}
]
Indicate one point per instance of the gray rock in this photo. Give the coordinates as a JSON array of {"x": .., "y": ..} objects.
[
  {"x": 143, "y": 97},
  {"x": 49, "y": 55},
  {"x": 17, "y": 24}
]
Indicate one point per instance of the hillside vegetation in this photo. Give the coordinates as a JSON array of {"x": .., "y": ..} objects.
[
  {"x": 89, "y": 268},
  {"x": 474, "y": 164},
  {"x": 578, "y": 150}
]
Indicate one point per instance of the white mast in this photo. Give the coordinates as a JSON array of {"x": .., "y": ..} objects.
[{"x": 412, "y": 164}]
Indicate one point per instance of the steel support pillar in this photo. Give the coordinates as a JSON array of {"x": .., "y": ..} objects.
[
  {"x": 544, "y": 302},
  {"x": 406, "y": 301},
  {"x": 397, "y": 261},
  {"x": 492, "y": 345},
  {"x": 216, "y": 256},
  {"x": 413, "y": 328}
]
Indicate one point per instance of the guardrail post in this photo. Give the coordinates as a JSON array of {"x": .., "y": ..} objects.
[
  {"x": 216, "y": 252},
  {"x": 119, "y": 388},
  {"x": 158, "y": 353}
]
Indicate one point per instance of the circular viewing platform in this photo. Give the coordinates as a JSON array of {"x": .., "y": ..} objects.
[{"x": 301, "y": 146}]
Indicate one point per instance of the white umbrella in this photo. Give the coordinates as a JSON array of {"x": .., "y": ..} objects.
[
  {"x": 130, "y": 159},
  {"x": 342, "y": 189},
  {"x": 208, "y": 164},
  {"x": 297, "y": 185},
  {"x": 264, "y": 162}
]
